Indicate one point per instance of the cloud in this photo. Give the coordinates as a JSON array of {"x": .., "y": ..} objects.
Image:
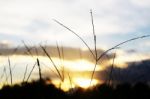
[
  {"x": 146, "y": 43},
  {"x": 69, "y": 53},
  {"x": 32, "y": 19},
  {"x": 135, "y": 72},
  {"x": 5, "y": 43},
  {"x": 143, "y": 3}
]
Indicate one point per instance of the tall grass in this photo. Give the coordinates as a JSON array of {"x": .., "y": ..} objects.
[
  {"x": 15, "y": 49},
  {"x": 76, "y": 35},
  {"x": 37, "y": 60},
  {"x": 111, "y": 70},
  {"x": 62, "y": 61},
  {"x": 28, "y": 49},
  {"x": 60, "y": 58},
  {"x": 119, "y": 44},
  {"x": 95, "y": 47},
  {"x": 10, "y": 70},
  {"x": 30, "y": 54},
  {"x": 48, "y": 55},
  {"x": 70, "y": 80},
  {"x": 24, "y": 76},
  {"x": 2, "y": 75},
  {"x": 6, "y": 76},
  {"x": 38, "y": 64},
  {"x": 96, "y": 57},
  {"x": 94, "y": 35},
  {"x": 31, "y": 72},
  {"x": 80, "y": 54},
  {"x": 50, "y": 69},
  {"x": 61, "y": 73},
  {"x": 94, "y": 54}
]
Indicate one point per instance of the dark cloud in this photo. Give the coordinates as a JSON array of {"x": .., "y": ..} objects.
[
  {"x": 68, "y": 52},
  {"x": 131, "y": 51},
  {"x": 135, "y": 72}
]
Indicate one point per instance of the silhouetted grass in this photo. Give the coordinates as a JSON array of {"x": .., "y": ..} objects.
[
  {"x": 31, "y": 72},
  {"x": 111, "y": 70},
  {"x": 24, "y": 76},
  {"x": 97, "y": 56},
  {"x": 41, "y": 90},
  {"x": 10, "y": 70},
  {"x": 48, "y": 55}
]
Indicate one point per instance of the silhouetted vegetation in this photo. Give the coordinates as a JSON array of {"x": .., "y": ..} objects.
[{"x": 41, "y": 90}]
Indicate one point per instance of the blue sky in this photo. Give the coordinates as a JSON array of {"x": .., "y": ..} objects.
[{"x": 115, "y": 21}]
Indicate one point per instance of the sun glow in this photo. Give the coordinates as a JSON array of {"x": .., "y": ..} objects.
[
  {"x": 65, "y": 85},
  {"x": 75, "y": 82},
  {"x": 79, "y": 70},
  {"x": 80, "y": 65},
  {"x": 85, "y": 82}
]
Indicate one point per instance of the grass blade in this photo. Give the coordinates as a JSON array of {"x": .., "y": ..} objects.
[
  {"x": 40, "y": 74},
  {"x": 6, "y": 80},
  {"x": 132, "y": 39},
  {"x": 51, "y": 61},
  {"x": 15, "y": 49},
  {"x": 28, "y": 49},
  {"x": 70, "y": 80},
  {"x": 24, "y": 76},
  {"x": 114, "y": 47},
  {"x": 77, "y": 36},
  {"x": 2, "y": 75},
  {"x": 31, "y": 72},
  {"x": 94, "y": 35},
  {"x": 10, "y": 71},
  {"x": 95, "y": 47},
  {"x": 50, "y": 69},
  {"x": 111, "y": 70},
  {"x": 62, "y": 61}
]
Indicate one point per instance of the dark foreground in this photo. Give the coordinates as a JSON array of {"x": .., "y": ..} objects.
[{"x": 40, "y": 90}]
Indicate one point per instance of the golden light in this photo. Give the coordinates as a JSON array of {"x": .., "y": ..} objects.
[
  {"x": 123, "y": 59},
  {"x": 76, "y": 82},
  {"x": 80, "y": 65},
  {"x": 85, "y": 82},
  {"x": 79, "y": 70},
  {"x": 65, "y": 85}
]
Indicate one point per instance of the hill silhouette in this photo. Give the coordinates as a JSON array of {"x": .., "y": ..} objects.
[{"x": 41, "y": 90}]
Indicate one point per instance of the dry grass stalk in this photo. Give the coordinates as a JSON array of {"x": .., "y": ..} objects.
[
  {"x": 114, "y": 47},
  {"x": 77, "y": 36},
  {"x": 70, "y": 80},
  {"x": 95, "y": 47},
  {"x": 31, "y": 72},
  {"x": 10, "y": 70},
  {"x": 48, "y": 55},
  {"x": 28, "y": 49},
  {"x": 3, "y": 73},
  {"x": 40, "y": 74},
  {"x": 96, "y": 54},
  {"x": 24, "y": 76},
  {"x": 111, "y": 70},
  {"x": 62, "y": 61}
]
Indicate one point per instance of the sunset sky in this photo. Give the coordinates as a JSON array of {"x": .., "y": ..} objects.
[{"x": 115, "y": 21}]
